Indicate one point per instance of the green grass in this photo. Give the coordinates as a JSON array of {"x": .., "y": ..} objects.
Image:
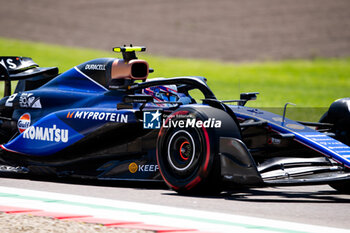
[{"x": 307, "y": 83}]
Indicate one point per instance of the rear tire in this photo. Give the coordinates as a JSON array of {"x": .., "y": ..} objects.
[
  {"x": 338, "y": 114},
  {"x": 188, "y": 157}
]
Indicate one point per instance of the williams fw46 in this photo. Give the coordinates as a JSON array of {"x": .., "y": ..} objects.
[{"x": 104, "y": 120}]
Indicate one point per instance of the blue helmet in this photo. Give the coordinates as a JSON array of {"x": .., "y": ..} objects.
[{"x": 166, "y": 93}]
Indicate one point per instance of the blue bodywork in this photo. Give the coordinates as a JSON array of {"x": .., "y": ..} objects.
[
  {"x": 88, "y": 106},
  {"x": 302, "y": 134}
]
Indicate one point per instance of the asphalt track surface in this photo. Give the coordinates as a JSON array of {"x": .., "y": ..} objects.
[
  {"x": 316, "y": 205},
  {"x": 234, "y": 30}
]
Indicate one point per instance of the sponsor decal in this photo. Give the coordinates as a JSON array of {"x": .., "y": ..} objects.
[
  {"x": 99, "y": 116},
  {"x": 275, "y": 141},
  {"x": 23, "y": 122},
  {"x": 28, "y": 100},
  {"x": 52, "y": 134},
  {"x": 6, "y": 168},
  {"x": 148, "y": 168},
  {"x": 8, "y": 63},
  {"x": 95, "y": 67},
  {"x": 133, "y": 167},
  {"x": 70, "y": 114},
  {"x": 152, "y": 120}
]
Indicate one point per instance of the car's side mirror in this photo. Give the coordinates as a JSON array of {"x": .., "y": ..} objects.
[{"x": 245, "y": 97}]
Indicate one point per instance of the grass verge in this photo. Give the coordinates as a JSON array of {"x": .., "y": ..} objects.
[{"x": 307, "y": 83}]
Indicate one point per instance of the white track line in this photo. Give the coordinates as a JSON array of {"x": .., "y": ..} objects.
[{"x": 151, "y": 214}]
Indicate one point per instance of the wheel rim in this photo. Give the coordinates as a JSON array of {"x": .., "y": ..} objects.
[{"x": 181, "y": 151}]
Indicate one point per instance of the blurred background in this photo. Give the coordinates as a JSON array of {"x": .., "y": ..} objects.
[{"x": 234, "y": 30}]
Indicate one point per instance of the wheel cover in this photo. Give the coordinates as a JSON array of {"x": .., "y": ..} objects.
[{"x": 181, "y": 151}]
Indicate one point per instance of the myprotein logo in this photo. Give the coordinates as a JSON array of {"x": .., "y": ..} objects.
[
  {"x": 52, "y": 134},
  {"x": 23, "y": 122},
  {"x": 99, "y": 116}
]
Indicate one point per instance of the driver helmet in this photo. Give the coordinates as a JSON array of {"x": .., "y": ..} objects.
[{"x": 164, "y": 93}]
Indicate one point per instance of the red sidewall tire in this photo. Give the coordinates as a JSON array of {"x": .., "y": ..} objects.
[{"x": 197, "y": 167}]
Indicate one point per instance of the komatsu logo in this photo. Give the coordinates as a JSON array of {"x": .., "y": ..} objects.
[{"x": 53, "y": 134}]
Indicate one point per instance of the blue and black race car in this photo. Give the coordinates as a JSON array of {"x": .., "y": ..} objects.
[{"x": 104, "y": 120}]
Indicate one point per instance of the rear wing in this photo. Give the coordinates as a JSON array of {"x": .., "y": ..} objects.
[
  {"x": 19, "y": 68},
  {"x": 17, "y": 64}
]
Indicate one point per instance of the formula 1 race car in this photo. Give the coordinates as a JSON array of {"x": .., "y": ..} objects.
[{"x": 104, "y": 120}]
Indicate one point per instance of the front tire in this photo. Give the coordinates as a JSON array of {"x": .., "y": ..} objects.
[
  {"x": 188, "y": 157},
  {"x": 338, "y": 114}
]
